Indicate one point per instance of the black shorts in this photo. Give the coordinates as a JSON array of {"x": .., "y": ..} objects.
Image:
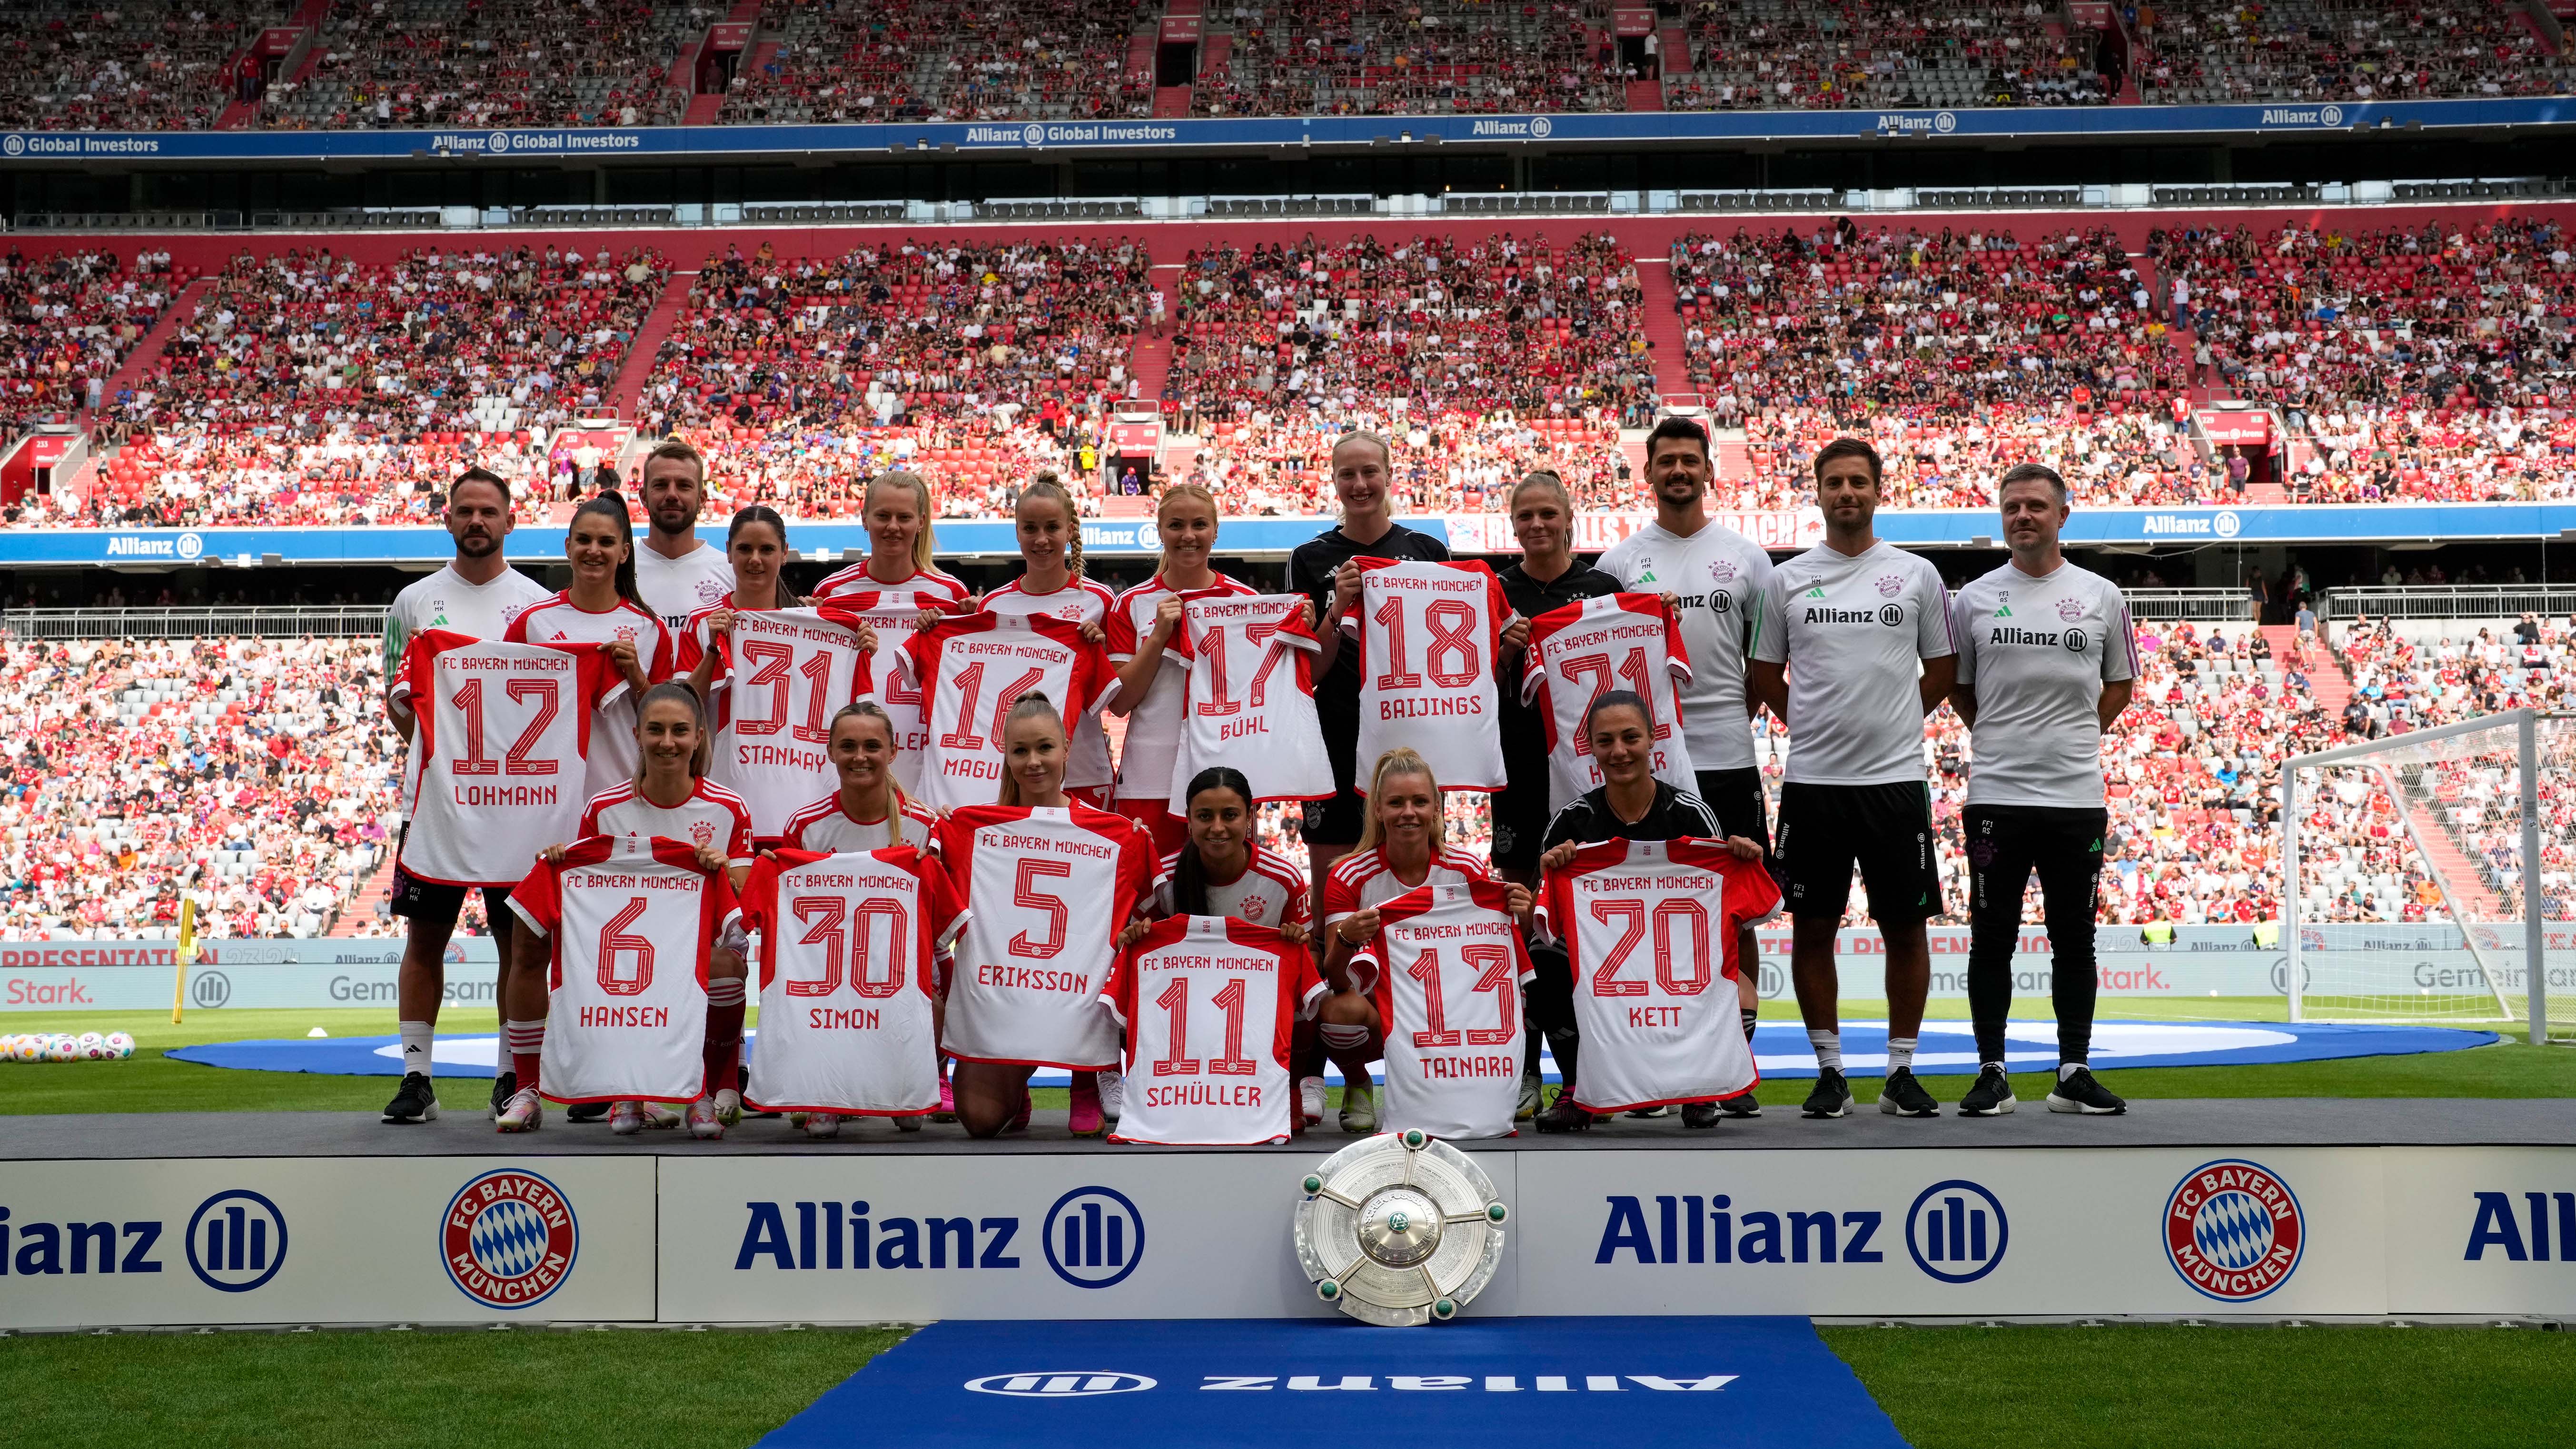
[
  {"x": 1884, "y": 829},
  {"x": 1736, "y": 797},
  {"x": 1521, "y": 819},
  {"x": 1337, "y": 821},
  {"x": 435, "y": 906}
]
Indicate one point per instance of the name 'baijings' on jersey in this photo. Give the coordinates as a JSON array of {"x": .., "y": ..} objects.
[
  {"x": 977, "y": 666},
  {"x": 847, "y": 980},
  {"x": 628, "y": 925},
  {"x": 1583, "y": 651},
  {"x": 1210, "y": 1005},
  {"x": 1251, "y": 698},
  {"x": 1050, "y": 890},
  {"x": 502, "y": 733},
  {"x": 786, "y": 672},
  {"x": 1651, "y": 929},
  {"x": 1428, "y": 634},
  {"x": 2038, "y": 651},
  {"x": 1449, "y": 965}
]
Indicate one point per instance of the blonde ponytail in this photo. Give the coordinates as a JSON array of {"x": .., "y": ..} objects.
[{"x": 1402, "y": 761}]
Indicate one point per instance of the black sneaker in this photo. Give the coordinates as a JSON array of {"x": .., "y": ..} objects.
[
  {"x": 1651, "y": 1111},
  {"x": 1832, "y": 1096},
  {"x": 414, "y": 1100},
  {"x": 1742, "y": 1104},
  {"x": 585, "y": 1111},
  {"x": 1903, "y": 1096},
  {"x": 2080, "y": 1093},
  {"x": 505, "y": 1085},
  {"x": 1564, "y": 1114},
  {"x": 1699, "y": 1115},
  {"x": 1991, "y": 1096}
]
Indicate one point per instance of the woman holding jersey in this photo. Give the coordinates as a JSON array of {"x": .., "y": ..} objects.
[{"x": 1153, "y": 680}]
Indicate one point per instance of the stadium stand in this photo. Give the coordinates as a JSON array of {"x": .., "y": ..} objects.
[
  {"x": 905, "y": 60},
  {"x": 258, "y": 773},
  {"x": 1749, "y": 55},
  {"x": 410, "y": 63},
  {"x": 2317, "y": 50},
  {"x": 135, "y": 67},
  {"x": 68, "y": 320},
  {"x": 1423, "y": 57}
]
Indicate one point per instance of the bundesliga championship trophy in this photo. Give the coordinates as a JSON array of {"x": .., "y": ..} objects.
[{"x": 1399, "y": 1230}]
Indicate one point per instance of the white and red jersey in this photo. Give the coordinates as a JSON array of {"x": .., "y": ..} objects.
[
  {"x": 893, "y": 687},
  {"x": 977, "y": 666},
  {"x": 1270, "y": 892},
  {"x": 786, "y": 672},
  {"x": 499, "y": 751},
  {"x": 930, "y": 588},
  {"x": 1428, "y": 634},
  {"x": 1650, "y": 927},
  {"x": 1363, "y": 879},
  {"x": 628, "y": 926},
  {"x": 1449, "y": 965},
  {"x": 1048, "y": 890},
  {"x": 847, "y": 945},
  {"x": 695, "y": 640},
  {"x": 1080, "y": 601},
  {"x": 712, "y": 816},
  {"x": 1210, "y": 1005},
  {"x": 1583, "y": 651},
  {"x": 558, "y": 620},
  {"x": 827, "y": 827},
  {"x": 1154, "y": 724},
  {"x": 1251, "y": 699}
]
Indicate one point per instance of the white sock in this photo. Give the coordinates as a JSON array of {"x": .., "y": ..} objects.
[
  {"x": 1829, "y": 1048},
  {"x": 415, "y": 1046},
  {"x": 2068, "y": 1069},
  {"x": 1900, "y": 1052}
]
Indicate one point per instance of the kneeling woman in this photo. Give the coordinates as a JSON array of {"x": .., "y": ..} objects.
[
  {"x": 670, "y": 797},
  {"x": 1049, "y": 884},
  {"x": 1403, "y": 845}
]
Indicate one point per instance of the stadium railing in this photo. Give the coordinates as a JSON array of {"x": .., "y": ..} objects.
[
  {"x": 2450, "y": 601},
  {"x": 2195, "y": 605},
  {"x": 274, "y": 622}
]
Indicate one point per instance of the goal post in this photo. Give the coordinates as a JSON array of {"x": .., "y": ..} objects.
[{"x": 2424, "y": 876}]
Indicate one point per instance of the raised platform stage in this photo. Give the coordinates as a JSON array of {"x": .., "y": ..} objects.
[{"x": 2259, "y": 1208}]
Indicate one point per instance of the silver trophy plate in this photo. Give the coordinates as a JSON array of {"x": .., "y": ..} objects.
[{"x": 1399, "y": 1230}]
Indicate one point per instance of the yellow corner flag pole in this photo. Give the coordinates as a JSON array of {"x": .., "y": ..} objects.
[{"x": 185, "y": 956}]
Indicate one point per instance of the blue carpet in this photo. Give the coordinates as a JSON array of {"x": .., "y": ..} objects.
[
  {"x": 1946, "y": 1048},
  {"x": 1717, "y": 1382}
]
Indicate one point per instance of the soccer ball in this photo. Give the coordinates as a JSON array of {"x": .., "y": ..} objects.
[
  {"x": 9, "y": 1047},
  {"x": 29, "y": 1049},
  {"x": 93, "y": 1046},
  {"x": 63, "y": 1049},
  {"x": 120, "y": 1045}
]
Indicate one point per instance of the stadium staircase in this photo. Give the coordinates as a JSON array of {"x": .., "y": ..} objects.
[
  {"x": 648, "y": 342},
  {"x": 146, "y": 355},
  {"x": 1734, "y": 455},
  {"x": 1646, "y": 95},
  {"x": 1149, "y": 362},
  {"x": 1663, "y": 323},
  {"x": 306, "y": 19},
  {"x": 362, "y": 901}
]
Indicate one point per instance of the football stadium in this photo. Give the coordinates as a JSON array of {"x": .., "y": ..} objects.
[{"x": 1888, "y": 692}]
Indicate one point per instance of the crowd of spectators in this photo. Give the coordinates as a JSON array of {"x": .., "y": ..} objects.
[
  {"x": 2198, "y": 53},
  {"x": 405, "y": 64},
  {"x": 1421, "y": 327},
  {"x": 1947, "y": 459},
  {"x": 834, "y": 60},
  {"x": 256, "y": 775},
  {"x": 77, "y": 65},
  {"x": 1458, "y": 463},
  {"x": 67, "y": 319},
  {"x": 1412, "y": 57},
  {"x": 1748, "y": 55}
]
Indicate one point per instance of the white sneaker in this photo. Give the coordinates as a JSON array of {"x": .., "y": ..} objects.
[
  {"x": 909, "y": 1124},
  {"x": 729, "y": 1107},
  {"x": 822, "y": 1125},
  {"x": 524, "y": 1112},
  {"x": 1310, "y": 1100},
  {"x": 625, "y": 1119},
  {"x": 704, "y": 1124},
  {"x": 1113, "y": 1093}
]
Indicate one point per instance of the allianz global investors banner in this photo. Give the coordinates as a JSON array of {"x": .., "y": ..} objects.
[{"x": 67, "y": 975}]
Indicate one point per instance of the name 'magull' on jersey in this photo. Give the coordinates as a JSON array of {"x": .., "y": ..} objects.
[
  {"x": 1583, "y": 651},
  {"x": 1428, "y": 634},
  {"x": 628, "y": 925},
  {"x": 1154, "y": 724},
  {"x": 786, "y": 672},
  {"x": 2038, "y": 650},
  {"x": 847, "y": 977},
  {"x": 497, "y": 752},
  {"x": 1050, "y": 890},
  {"x": 976, "y": 667},
  {"x": 1718, "y": 575},
  {"x": 1854, "y": 632},
  {"x": 1449, "y": 965},
  {"x": 1210, "y": 1006},
  {"x": 1650, "y": 928},
  {"x": 1250, "y": 700}
]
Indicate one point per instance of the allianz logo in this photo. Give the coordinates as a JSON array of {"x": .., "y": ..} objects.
[
  {"x": 1093, "y": 1383},
  {"x": 1955, "y": 1231}
]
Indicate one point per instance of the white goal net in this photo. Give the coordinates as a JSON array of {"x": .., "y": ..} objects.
[{"x": 2408, "y": 864}]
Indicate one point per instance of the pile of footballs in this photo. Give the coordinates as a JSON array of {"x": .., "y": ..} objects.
[{"x": 62, "y": 1046}]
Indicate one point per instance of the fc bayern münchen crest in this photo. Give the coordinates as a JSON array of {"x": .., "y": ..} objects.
[
  {"x": 1399, "y": 1230},
  {"x": 509, "y": 1238}
]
